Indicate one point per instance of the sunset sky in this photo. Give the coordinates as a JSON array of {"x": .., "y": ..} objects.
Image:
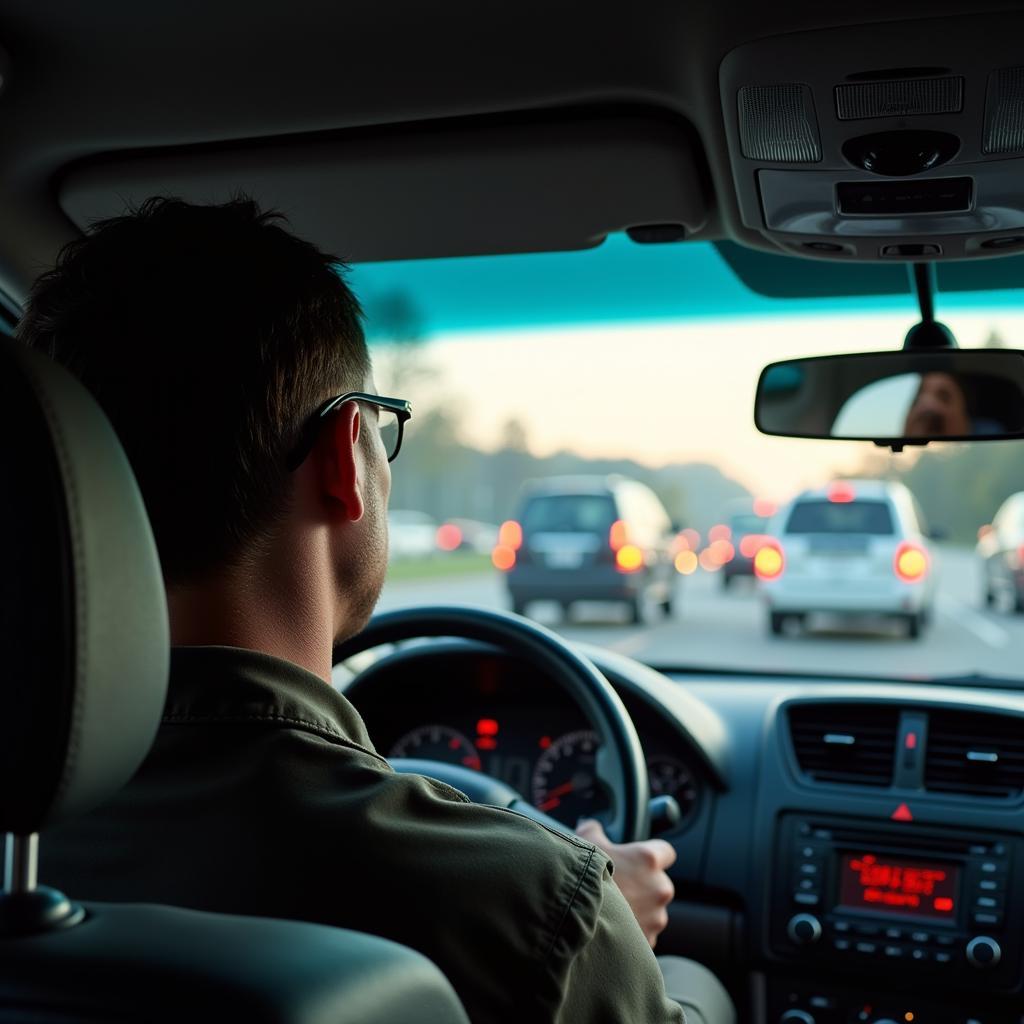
[{"x": 665, "y": 392}]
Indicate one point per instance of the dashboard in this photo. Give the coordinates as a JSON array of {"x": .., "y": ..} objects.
[
  {"x": 850, "y": 851},
  {"x": 490, "y": 712}
]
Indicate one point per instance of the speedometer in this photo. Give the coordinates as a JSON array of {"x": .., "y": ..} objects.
[
  {"x": 437, "y": 743},
  {"x": 565, "y": 782},
  {"x": 670, "y": 777}
]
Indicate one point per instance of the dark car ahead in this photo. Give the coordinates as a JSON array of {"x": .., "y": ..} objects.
[
  {"x": 747, "y": 530},
  {"x": 589, "y": 539},
  {"x": 1001, "y": 550}
]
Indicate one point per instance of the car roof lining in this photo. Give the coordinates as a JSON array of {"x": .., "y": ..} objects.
[{"x": 110, "y": 83}]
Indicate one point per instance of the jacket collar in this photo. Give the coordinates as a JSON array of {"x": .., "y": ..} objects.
[{"x": 230, "y": 683}]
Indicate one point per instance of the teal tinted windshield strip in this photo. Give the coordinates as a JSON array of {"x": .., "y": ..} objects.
[{"x": 618, "y": 281}]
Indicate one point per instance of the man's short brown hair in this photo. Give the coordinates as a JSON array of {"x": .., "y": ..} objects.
[{"x": 208, "y": 334}]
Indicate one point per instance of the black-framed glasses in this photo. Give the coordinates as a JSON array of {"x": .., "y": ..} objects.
[{"x": 392, "y": 414}]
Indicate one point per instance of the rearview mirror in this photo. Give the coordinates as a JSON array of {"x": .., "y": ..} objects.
[{"x": 895, "y": 398}]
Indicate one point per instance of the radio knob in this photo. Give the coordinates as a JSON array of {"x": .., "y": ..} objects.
[
  {"x": 796, "y": 1017},
  {"x": 983, "y": 952},
  {"x": 804, "y": 930}
]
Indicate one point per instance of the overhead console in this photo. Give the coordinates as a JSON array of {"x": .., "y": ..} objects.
[{"x": 901, "y": 141}]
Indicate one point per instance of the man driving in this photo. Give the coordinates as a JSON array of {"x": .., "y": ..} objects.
[{"x": 230, "y": 358}]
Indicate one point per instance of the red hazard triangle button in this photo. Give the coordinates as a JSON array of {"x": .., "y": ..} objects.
[{"x": 902, "y": 813}]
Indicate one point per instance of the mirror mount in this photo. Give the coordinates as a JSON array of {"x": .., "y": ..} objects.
[{"x": 929, "y": 333}]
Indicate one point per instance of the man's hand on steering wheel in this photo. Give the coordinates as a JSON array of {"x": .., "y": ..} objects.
[{"x": 640, "y": 873}]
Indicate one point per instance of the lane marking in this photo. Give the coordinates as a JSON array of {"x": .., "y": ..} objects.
[{"x": 981, "y": 627}]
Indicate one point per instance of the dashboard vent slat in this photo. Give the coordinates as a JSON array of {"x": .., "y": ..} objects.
[
  {"x": 975, "y": 754},
  {"x": 845, "y": 744}
]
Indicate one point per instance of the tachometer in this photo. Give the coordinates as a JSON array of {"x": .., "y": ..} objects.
[
  {"x": 437, "y": 743},
  {"x": 565, "y": 783},
  {"x": 669, "y": 777}
]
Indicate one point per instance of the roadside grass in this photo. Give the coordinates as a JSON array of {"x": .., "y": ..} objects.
[{"x": 439, "y": 566}]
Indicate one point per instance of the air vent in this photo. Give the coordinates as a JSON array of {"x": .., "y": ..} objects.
[
  {"x": 853, "y": 744},
  {"x": 975, "y": 754}
]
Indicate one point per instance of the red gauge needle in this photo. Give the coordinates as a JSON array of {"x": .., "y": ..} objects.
[{"x": 555, "y": 794}]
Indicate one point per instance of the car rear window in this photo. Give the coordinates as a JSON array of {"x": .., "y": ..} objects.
[
  {"x": 873, "y": 517},
  {"x": 569, "y": 513}
]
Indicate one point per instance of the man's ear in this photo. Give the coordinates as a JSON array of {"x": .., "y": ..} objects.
[{"x": 340, "y": 460}]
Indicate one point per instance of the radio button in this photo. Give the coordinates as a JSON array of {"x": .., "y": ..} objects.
[
  {"x": 867, "y": 929},
  {"x": 946, "y": 940},
  {"x": 988, "y": 885},
  {"x": 867, "y": 948},
  {"x": 841, "y": 926},
  {"x": 988, "y": 903},
  {"x": 804, "y": 929},
  {"x": 806, "y": 899},
  {"x": 810, "y": 869},
  {"x": 983, "y": 952},
  {"x": 987, "y": 918},
  {"x": 893, "y": 933},
  {"x": 919, "y": 955},
  {"x": 894, "y": 952},
  {"x": 841, "y": 945},
  {"x": 920, "y": 936},
  {"x": 943, "y": 957}
]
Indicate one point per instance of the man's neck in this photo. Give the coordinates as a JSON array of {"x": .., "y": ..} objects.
[{"x": 287, "y": 616}]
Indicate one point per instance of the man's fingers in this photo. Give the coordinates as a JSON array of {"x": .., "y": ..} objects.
[
  {"x": 593, "y": 832},
  {"x": 657, "y": 854}
]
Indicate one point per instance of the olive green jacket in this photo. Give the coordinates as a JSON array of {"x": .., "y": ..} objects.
[{"x": 264, "y": 795}]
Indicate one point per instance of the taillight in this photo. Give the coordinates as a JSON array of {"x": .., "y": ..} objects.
[
  {"x": 769, "y": 561},
  {"x": 449, "y": 537},
  {"x": 510, "y": 540},
  {"x": 618, "y": 535},
  {"x": 629, "y": 558},
  {"x": 1020, "y": 556},
  {"x": 910, "y": 563},
  {"x": 503, "y": 558},
  {"x": 510, "y": 535}
]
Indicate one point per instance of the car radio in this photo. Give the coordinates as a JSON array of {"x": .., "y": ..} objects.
[{"x": 901, "y": 896}]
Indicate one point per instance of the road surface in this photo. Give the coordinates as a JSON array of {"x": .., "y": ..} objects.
[{"x": 712, "y": 627}]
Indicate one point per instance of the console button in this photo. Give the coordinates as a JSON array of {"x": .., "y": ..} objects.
[
  {"x": 806, "y": 899},
  {"x": 804, "y": 929},
  {"x": 920, "y": 956},
  {"x": 867, "y": 948},
  {"x": 946, "y": 940},
  {"x": 983, "y": 952},
  {"x": 810, "y": 869},
  {"x": 867, "y": 929},
  {"x": 894, "y": 952},
  {"x": 807, "y": 884},
  {"x": 988, "y": 903},
  {"x": 943, "y": 957},
  {"x": 841, "y": 945},
  {"x": 841, "y": 926},
  {"x": 893, "y": 933},
  {"x": 987, "y": 918},
  {"x": 988, "y": 885},
  {"x": 978, "y": 849},
  {"x": 921, "y": 936}
]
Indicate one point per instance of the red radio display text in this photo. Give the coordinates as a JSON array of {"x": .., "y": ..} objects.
[{"x": 870, "y": 882}]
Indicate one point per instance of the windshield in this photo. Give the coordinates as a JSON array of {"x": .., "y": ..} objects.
[{"x": 582, "y": 444}]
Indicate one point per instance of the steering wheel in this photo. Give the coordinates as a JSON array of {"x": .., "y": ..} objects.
[{"x": 620, "y": 760}]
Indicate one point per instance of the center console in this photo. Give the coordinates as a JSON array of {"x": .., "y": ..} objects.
[{"x": 908, "y": 911}]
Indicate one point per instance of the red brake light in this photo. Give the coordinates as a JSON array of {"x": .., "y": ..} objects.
[
  {"x": 841, "y": 493},
  {"x": 503, "y": 558},
  {"x": 1020, "y": 555},
  {"x": 629, "y": 558},
  {"x": 510, "y": 535},
  {"x": 769, "y": 561},
  {"x": 449, "y": 537},
  {"x": 910, "y": 563},
  {"x": 618, "y": 535}
]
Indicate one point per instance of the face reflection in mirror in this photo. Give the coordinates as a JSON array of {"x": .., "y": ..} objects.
[{"x": 939, "y": 408}]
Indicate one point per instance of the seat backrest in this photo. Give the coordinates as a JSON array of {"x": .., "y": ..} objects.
[{"x": 84, "y": 641}]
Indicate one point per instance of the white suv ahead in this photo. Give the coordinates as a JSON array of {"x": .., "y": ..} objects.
[{"x": 856, "y": 547}]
